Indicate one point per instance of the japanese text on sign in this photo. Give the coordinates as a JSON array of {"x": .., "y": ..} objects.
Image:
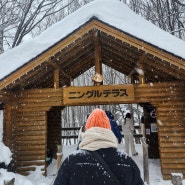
[{"x": 98, "y": 94}]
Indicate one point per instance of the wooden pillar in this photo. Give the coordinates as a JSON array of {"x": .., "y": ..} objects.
[
  {"x": 138, "y": 70},
  {"x": 59, "y": 155},
  {"x": 145, "y": 161},
  {"x": 56, "y": 75},
  {"x": 97, "y": 54},
  {"x": 140, "y": 67},
  {"x": 56, "y": 78}
]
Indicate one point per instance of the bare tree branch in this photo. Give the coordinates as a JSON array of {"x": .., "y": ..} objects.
[
  {"x": 177, "y": 1},
  {"x": 30, "y": 20}
]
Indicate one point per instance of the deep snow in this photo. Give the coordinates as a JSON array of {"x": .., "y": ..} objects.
[{"x": 36, "y": 178}]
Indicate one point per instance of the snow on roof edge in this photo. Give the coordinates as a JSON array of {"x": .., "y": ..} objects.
[{"x": 31, "y": 59}]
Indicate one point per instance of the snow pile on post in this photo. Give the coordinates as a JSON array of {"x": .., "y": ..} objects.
[{"x": 177, "y": 178}]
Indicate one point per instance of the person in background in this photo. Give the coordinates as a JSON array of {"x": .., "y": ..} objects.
[
  {"x": 114, "y": 126},
  {"x": 142, "y": 126},
  {"x": 81, "y": 131},
  {"x": 128, "y": 131},
  {"x": 83, "y": 168},
  {"x": 49, "y": 156}
]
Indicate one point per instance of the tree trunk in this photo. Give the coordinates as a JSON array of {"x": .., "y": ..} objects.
[{"x": 1, "y": 42}]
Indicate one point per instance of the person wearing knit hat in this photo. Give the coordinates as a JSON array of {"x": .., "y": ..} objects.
[
  {"x": 82, "y": 167},
  {"x": 98, "y": 118}
]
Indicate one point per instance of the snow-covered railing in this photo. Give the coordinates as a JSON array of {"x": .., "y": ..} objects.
[
  {"x": 177, "y": 178},
  {"x": 70, "y": 135}
]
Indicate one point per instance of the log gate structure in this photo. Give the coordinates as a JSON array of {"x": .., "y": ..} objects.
[{"x": 33, "y": 94}]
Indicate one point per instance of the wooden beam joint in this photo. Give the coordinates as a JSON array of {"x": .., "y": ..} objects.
[{"x": 138, "y": 70}]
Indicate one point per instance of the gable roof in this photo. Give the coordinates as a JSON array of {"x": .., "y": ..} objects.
[{"x": 120, "y": 31}]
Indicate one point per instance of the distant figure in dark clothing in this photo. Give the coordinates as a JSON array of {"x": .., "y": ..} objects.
[
  {"x": 81, "y": 131},
  {"x": 49, "y": 156},
  {"x": 114, "y": 126},
  {"x": 142, "y": 126},
  {"x": 83, "y": 167}
]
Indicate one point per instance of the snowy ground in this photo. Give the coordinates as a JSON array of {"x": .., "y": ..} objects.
[{"x": 35, "y": 178}]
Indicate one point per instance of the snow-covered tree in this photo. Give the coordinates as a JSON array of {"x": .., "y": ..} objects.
[
  {"x": 168, "y": 15},
  {"x": 19, "y": 18}
]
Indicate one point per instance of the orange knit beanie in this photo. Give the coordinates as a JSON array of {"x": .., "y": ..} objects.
[{"x": 98, "y": 118}]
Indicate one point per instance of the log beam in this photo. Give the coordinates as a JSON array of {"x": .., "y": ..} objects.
[{"x": 97, "y": 54}]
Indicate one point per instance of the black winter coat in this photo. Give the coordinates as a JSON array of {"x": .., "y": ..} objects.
[{"x": 81, "y": 168}]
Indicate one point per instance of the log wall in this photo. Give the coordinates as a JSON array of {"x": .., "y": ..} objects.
[
  {"x": 29, "y": 122},
  {"x": 169, "y": 98},
  {"x": 31, "y": 134}
]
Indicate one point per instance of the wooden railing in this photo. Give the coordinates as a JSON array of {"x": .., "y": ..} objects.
[{"x": 70, "y": 135}]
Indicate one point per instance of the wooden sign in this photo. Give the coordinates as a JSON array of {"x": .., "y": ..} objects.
[{"x": 102, "y": 94}]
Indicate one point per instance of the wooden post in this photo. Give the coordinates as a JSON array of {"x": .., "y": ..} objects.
[
  {"x": 9, "y": 182},
  {"x": 138, "y": 71},
  {"x": 97, "y": 54},
  {"x": 56, "y": 78},
  {"x": 145, "y": 161},
  {"x": 59, "y": 155},
  {"x": 97, "y": 57},
  {"x": 177, "y": 178}
]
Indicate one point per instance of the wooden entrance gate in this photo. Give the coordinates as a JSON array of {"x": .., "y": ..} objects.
[{"x": 28, "y": 127}]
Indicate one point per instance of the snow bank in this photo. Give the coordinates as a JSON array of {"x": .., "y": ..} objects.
[{"x": 6, "y": 154}]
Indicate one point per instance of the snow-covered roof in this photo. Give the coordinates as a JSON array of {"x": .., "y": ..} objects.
[{"x": 112, "y": 12}]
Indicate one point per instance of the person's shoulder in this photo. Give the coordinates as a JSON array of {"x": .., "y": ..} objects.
[
  {"x": 124, "y": 157},
  {"x": 113, "y": 152},
  {"x": 76, "y": 154},
  {"x": 121, "y": 153}
]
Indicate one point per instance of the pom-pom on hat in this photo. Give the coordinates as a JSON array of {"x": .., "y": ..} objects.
[{"x": 98, "y": 118}]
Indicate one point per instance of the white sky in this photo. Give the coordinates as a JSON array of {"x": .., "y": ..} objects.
[{"x": 113, "y": 12}]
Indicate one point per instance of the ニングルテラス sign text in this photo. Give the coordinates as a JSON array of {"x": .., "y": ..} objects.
[{"x": 98, "y": 94}]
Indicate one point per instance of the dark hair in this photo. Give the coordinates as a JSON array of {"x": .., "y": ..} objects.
[
  {"x": 88, "y": 115},
  {"x": 128, "y": 115}
]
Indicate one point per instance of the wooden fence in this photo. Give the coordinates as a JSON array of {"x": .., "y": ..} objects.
[{"x": 70, "y": 135}]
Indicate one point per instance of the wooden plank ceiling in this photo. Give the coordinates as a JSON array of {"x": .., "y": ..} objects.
[{"x": 79, "y": 55}]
